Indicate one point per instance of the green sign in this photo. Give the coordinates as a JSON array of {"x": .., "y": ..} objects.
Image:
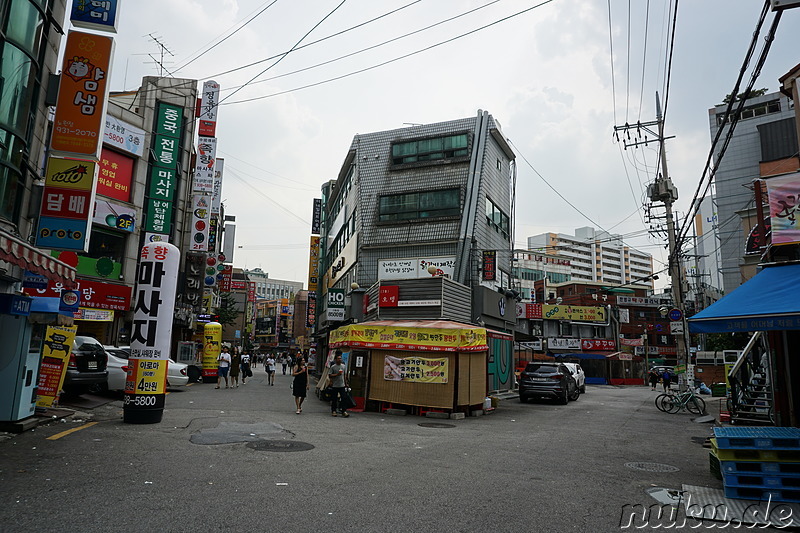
[
  {"x": 163, "y": 182},
  {"x": 159, "y": 216},
  {"x": 169, "y": 119}
]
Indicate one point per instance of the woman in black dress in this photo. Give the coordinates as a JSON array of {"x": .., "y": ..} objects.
[{"x": 300, "y": 384}]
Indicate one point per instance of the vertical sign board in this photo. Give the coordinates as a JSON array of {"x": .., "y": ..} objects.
[
  {"x": 163, "y": 175},
  {"x": 53, "y": 367},
  {"x": 209, "y": 104},
  {"x": 335, "y": 305},
  {"x": 95, "y": 15},
  {"x": 316, "y": 216},
  {"x": 151, "y": 334},
  {"x": 489, "y": 265},
  {"x": 115, "y": 176},
  {"x": 66, "y": 204},
  {"x": 313, "y": 282},
  {"x": 212, "y": 346},
  {"x": 204, "y": 168},
  {"x": 783, "y": 208},
  {"x": 216, "y": 196},
  {"x": 82, "y": 94},
  {"x": 200, "y": 218}
]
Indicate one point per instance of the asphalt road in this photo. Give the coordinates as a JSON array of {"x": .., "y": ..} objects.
[{"x": 526, "y": 467}]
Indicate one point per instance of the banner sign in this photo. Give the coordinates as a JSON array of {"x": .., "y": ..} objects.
[
  {"x": 783, "y": 208},
  {"x": 204, "y": 167},
  {"x": 638, "y": 300},
  {"x": 212, "y": 346},
  {"x": 200, "y": 218},
  {"x": 115, "y": 176},
  {"x": 56, "y": 349},
  {"x": 597, "y": 345},
  {"x": 390, "y": 337},
  {"x": 123, "y": 136},
  {"x": 94, "y": 294},
  {"x": 313, "y": 265},
  {"x": 489, "y": 265},
  {"x": 311, "y": 310},
  {"x": 66, "y": 204},
  {"x": 82, "y": 94},
  {"x": 574, "y": 312},
  {"x": 114, "y": 215},
  {"x": 151, "y": 333},
  {"x": 95, "y": 15},
  {"x": 336, "y": 304},
  {"x": 316, "y": 216},
  {"x": 209, "y": 105},
  {"x": 216, "y": 196},
  {"x": 559, "y": 343},
  {"x": 415, "y": 369},
  {"x": 416, "y": 267},
  {"x": 94, "y": 315}
]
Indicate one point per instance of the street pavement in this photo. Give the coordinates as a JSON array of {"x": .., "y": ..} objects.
[{"x": 526, "y": 467}]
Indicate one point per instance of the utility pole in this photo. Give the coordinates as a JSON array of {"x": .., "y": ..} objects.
[{"x": 663, "y": 190}]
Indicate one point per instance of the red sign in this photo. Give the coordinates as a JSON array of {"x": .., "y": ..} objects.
[
  {"x": 632, "y": 342},
  {"x": 238, "y": 285},
  {"x": 116, "y": 174},
  {"x": 225, "y": 282},
  {"x": 66, "y": 203},
  {"x": 251, "y": 291},
  {"x": 526, "y": 310},
  {"x": 588, "y": 345},
  {"x": 489, "y": 265},
  {"x": 94, "y": 294},
  {"x": 389, "y": 295}
]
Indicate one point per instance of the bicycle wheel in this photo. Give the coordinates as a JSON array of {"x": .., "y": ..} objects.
[
  {"x": 694, "y": 407},
  {"x": 658, "y": 401},
  {"x": 671, "y": 405},
  {"x": 701, "y": 402}
]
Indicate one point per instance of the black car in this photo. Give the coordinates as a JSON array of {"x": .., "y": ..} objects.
[
  {"x": 547, "y": 380},
  {"x": 87, "y": 365}
]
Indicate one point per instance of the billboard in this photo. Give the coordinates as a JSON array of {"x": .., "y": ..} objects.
[
  {"x": 204, "y": 167},
  {"x": 115, "y": 176},
  {"x": 123, "y": 136},
  {"x": 209, "y": 105},
  {"x": 784, "y": 199}
]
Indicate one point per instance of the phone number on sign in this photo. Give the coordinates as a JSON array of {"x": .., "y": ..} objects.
[{"x": 140, "y": 401}]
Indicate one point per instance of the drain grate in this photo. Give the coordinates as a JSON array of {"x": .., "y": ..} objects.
[
  {"x": 652, "y": 467},
  {"x": 280, "y": 446},
  {"x": 435, "y": 425}
]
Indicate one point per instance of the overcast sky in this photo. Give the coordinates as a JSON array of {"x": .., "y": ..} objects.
[{"x": 545, "y": 75}]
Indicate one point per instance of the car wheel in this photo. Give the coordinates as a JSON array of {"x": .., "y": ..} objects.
[
  {"x": 564, "y": 400},
  {"x": 576, "y": 395},
  {"x": 523, "y": 399},
  {"x": 583, "y": 389}
]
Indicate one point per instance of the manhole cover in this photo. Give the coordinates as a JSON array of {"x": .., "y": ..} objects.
[
  {"x": 435, "y": 425},
  {"x": 280, "y": 446},
  {"x": 652, "y": 467}
]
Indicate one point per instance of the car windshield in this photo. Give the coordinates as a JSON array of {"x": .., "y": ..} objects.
[{"x": 542, "y": 369}]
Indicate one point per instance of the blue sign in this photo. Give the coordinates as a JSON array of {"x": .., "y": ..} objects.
[
  {"x": 675, "y": 315},
  {"x": 69, "y": 301},
  {"x": 32, "y": 280},
  {"x": 14, "y": 304},
  {"x": 62, "y": 234},
  {"x": 94, "y": 15}
]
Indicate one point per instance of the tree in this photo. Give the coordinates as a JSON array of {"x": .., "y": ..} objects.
[
  {"x": 716, "y": 342},
  {"x": 745, "y": 95},
  {"x": 228, "y": 310}
]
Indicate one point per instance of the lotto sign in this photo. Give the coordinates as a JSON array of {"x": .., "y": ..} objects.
[
  {"x": 200, "y": 222},
  {"x": 151, "y": 333},
  {"x": 335, "y": 304},
  {"x": 208, "y": 109},
  {"x": 204, "y": 169},
  {"x": 82, "y": 93},
  {"x": 66, "y": 204}
]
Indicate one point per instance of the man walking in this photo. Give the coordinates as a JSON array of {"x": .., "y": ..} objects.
[
  {"x": 338, "y": 383},
  {"x": 224, "y": 361}
]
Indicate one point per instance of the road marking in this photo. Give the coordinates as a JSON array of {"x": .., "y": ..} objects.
[{"x": 73, "y": 430}]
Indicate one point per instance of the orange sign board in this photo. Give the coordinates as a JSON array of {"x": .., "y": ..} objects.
[{"x": 78, "y": 125}]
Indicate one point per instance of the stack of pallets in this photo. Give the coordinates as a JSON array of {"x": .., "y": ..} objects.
[{"x": 759, "y": 463}]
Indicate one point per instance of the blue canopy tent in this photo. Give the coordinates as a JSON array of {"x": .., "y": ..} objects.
[{"x": 766, "y": 302}]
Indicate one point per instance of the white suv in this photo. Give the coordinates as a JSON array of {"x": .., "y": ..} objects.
[{"x": 577, "y": 373}]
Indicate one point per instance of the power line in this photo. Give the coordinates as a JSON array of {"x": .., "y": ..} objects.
[
  {"x": 611, "y": 51},
  {"x": 644, "y": 58},
  {"x": 261, "y": 193}
]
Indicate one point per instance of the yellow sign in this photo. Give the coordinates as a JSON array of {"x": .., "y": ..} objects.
[
  {"x": 146, "y": 376},
  {"x": 410, "y": 338},
  {"x": 70, "y": 173},
  {"x": 313, "y": 265},
  {"x": 415, "y": 369},
  {"x": 577, "y": 313},
  {"x": 53, "y": 368},
  {"x": 212, "y": 346}
]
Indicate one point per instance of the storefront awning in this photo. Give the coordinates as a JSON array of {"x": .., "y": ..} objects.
[
  {"x": 421, "y": 335},
  {"x": 766, "y": 302},
  {"x": 22, "y": 254}
]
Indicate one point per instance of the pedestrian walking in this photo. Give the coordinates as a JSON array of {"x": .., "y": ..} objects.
[
  {"x": 300, "y": 383},
  {"x": 224, "y": 361},
  {"x": 667, "y": 377},
  {"x": 336, "y": 374},
  {"x": 269, "y": 366},
  {"x": 652, "y": 378},
  {"x": 284, "y": 362},
  {"x": 246, "y": 372},
  {"x": 236, "y": 363}
]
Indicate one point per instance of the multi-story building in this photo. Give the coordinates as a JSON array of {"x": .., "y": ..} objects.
[
  {"x": 271, "y": 288},
  {"x": 426, "y": 200},
  {"x": 530, "y": 267},
  {"x": 596, "y": 256},
  {"x": 763, "y": 144}
]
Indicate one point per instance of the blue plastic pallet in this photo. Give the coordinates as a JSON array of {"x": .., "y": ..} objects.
[
  {"x": 758, "y": 438},
  {"x": 762, "y": 482},
  {"x": 765, "y": 468},
  {"x": 761, "y": 494}
]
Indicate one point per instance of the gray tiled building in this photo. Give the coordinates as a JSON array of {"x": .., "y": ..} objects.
[
  {"x": 765, "y": 133},
  {"x": 405, "y": 199}
]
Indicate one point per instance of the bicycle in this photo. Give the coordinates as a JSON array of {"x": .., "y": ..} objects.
[{"x": 685, "y": 400}]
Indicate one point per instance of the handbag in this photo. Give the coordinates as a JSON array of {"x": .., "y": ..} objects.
[{"x": 347, "y": 401}]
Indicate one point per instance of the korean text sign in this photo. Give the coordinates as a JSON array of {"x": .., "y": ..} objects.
[
  {"x": 415, "y": 369},
  {"x": 78, "y": 125},
  {"x": 784, "y": 208},
  {"x": 55, "y": 356}
]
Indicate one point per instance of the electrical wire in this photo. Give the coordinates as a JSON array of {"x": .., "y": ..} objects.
[
  {"x": 628, "y": 66},
  {"x": 261, "y": 193},
  {"x": 669, "y": 61},
  {"x": 644, "y": 58},
  {"x": 611, "y": 52}
]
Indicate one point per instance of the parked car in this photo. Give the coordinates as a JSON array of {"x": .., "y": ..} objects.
[
  {"x": 177, "y": 373},
  {"x": 87, "y": 365},
  {"x": 577, "y": 373},
  {"x": 547, "y": 380}
]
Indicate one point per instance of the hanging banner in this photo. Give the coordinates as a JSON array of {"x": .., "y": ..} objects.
[
  {"x": 204, "y": 168},
  {"x": 784, "y": 200},
  {"x": 415, "y": 369},
  {"x": 56, "y": 350},
  {"x": 200, "y": 222},
  {"x": 82, "y": 94},
  {"x": 390, "y": 337},
  {"x": 151, "y": 333},
  {"x": 209, "y": 105}
]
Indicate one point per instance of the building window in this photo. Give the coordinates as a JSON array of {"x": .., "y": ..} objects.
[
  {"x": 564, "y": 329},
  {"x": 414, "y": 205},
  {"x": 497, "y": 219},
  {"x": 430, "y": 149}
]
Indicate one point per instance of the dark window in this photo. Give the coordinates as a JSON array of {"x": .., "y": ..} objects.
[
  {"x": 778, "y": 139},
  {"x": 430, "y": 149},
  {"x": 497, "y": 219},
  {"x": 542, "y": 369},
  {"x": 425, "y": 204},
  {"x": 106, "y": 244}
]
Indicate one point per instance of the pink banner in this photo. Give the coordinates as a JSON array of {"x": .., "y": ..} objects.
[{"x": 784, "y": 197}]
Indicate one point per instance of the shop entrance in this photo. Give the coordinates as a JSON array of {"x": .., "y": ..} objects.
[{"x": 359, "y": 376}]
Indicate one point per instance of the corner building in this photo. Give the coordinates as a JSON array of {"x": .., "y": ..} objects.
[{"x": 405, "y": 199}]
